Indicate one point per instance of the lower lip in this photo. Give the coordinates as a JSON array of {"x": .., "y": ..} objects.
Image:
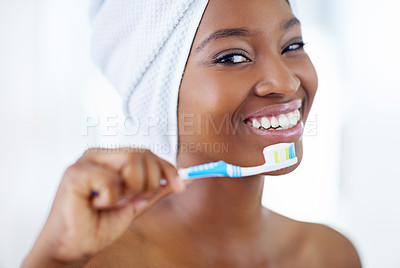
[{"x": 283, "y": 135}]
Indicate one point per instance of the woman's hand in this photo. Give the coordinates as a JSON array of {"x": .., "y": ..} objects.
[{"x": 97, "y": 199}]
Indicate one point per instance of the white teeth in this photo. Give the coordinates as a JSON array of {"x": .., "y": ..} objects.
[
  {"x": 256, "y": 124},
  {"x": 297, "y": 115},
  {"x": 265, "y": 123},
  {"x": 284, "y": 121},
  {"x": 292, "y": 119},
  {"x": 274, "y": 122}
]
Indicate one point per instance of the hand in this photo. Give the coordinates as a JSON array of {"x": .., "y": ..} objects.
[{"x": 98, "y": 198}]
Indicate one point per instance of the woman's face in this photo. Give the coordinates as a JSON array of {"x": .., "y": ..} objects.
[{"x": 247, "y": 68}]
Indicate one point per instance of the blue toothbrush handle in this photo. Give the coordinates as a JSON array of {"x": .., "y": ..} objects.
[{"x": 214, "y": 169}]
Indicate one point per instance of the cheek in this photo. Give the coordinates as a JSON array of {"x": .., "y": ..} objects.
[
  {"x": 212, "y": 93},
  {"x": 309, "y": 81},
  {"x": 208, "y": 100}
]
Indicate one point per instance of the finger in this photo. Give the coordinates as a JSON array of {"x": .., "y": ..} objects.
[
  {"x": 133, "y": 174},
  {"x": 86, "y": 179},
  {"x": 114, "y": 159},
  {"x": 146, "y": 203},
  {"x": 142, "y": 205},
  {"x": 186, "y": 182},
  {"x": 138, "y": 167},
  {"x": 153, "y": 174},
  {"x": 170, "y": 174}
]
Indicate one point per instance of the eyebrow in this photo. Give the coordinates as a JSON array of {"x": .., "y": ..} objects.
[
  {"x": 241, "y": 32},
  {"x": 290, "y": 23},
  {"x": 229, "y": 32}
]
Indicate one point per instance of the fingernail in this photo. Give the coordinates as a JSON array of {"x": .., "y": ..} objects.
[{"x": 94, "y": 193}]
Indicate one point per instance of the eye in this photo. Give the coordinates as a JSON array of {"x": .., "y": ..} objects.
[
  {"x": 232, "y": 58},
  {"x": 293, "y": 47}
]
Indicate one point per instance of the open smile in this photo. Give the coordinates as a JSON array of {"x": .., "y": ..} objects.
[{"x": 278, "y": 122}]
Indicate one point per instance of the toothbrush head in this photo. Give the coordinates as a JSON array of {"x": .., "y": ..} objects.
[
  {"x": 277, "y": 156},
  {"x": 280, "y": 155}
]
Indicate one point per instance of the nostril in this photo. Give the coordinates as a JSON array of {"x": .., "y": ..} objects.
[{"x": 275, "y": 95}]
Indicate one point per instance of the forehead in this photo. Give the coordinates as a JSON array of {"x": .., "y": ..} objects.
[{"x": 257, "y": 15}]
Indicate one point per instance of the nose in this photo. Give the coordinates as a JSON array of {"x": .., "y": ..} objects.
[{"x": 276, "y": 79}]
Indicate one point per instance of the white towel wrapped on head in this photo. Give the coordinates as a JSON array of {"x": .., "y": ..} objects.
[{"x": 142, "y": 47}]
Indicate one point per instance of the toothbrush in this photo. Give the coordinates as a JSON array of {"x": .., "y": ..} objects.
[{"x": 277, "y": 156}]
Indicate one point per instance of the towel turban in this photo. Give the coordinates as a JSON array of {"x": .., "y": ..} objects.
[{"x": 142, "y": 47}]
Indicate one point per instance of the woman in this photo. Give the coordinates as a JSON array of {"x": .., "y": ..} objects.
[{"x": 246, "y": 62}]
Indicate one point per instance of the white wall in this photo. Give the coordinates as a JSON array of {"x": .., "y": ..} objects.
[
  {"x": 46, "y": 80},
  {"x": 370, "y": 176},
  {"x": 348, "y": 179}
]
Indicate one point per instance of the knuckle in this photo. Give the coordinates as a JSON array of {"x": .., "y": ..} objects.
[
  {"x": 132, "y": 158},
  {"x": 74, "y": 171},
  {"x": 137, "y": 155},
  {"x": 76, "y": 175},
  {"x": 132, "y": 176},
  {"x": 147, "y": 152},
  {"x": 167, "y": 164},
  {"x": 90, "y": 151},
  {"x": 131, "y": 170}
]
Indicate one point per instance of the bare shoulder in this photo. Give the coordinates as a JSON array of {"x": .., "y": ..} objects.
[
  {"x": 312, "y": 245},
  {"x": 329, "y": 248}
]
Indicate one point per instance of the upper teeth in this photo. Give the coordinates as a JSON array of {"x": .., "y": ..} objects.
[
  {"x": 274, "y": 122},
  {"x": 282, "y": 121},
  {"x": 265, "y": 123}
]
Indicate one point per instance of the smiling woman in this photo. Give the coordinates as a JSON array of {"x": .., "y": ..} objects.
[
  {"x": 253, "y": 68},
  {"x": 247, "y": 84}
]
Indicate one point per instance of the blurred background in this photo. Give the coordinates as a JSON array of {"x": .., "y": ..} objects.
[{"x": 54, "y": 104}]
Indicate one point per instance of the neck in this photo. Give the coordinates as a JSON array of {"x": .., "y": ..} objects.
[
  {"x": 211, "y": 215},
  {"x": 223, "y": 200},
  {"x": 215, "y": 204}
]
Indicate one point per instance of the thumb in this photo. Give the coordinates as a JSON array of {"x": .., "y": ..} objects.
[{"x": 121, "y": 217}]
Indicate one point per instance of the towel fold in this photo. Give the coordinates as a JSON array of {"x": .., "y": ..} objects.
[{"x": 142, "y": 47}]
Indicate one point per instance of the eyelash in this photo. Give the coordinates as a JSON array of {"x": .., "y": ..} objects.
[
  {"x": 222, "y": 59},
  {"x": 299, "y": 45}
]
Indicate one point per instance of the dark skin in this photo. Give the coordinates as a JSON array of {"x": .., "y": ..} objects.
[{"x": 214, "y": 222}]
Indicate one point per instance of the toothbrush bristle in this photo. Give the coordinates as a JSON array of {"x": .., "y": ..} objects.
[
  {"x": 292, "y": 153},
  {"x": 279, "y": 153}
]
